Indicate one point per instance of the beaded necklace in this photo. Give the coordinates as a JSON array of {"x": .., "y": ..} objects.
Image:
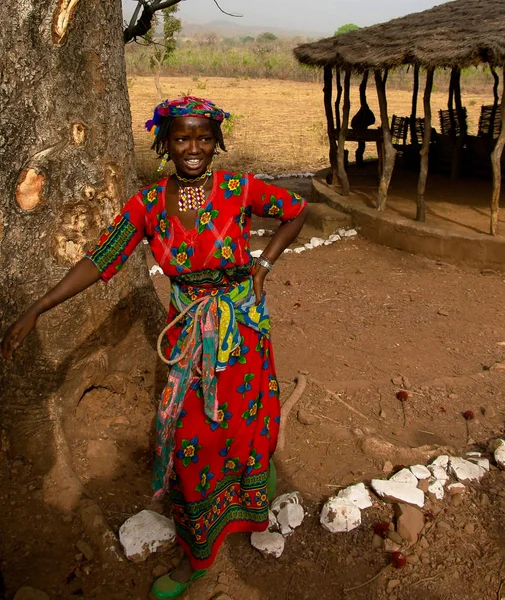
[{"x": 192, "y": 197}]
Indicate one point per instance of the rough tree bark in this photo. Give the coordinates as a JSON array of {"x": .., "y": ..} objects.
[{"x": 66, "y": 167}]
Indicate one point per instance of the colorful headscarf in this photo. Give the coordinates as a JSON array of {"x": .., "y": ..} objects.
[{"x": 188, "y": 106}]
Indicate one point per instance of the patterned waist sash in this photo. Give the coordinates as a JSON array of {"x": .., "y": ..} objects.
[{"x": 209, "y": 335}]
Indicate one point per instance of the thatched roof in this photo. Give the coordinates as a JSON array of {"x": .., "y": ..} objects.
[{"x": 461, "y": 33}]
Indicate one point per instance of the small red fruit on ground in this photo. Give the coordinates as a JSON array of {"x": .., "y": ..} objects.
[
  {"x": 381, "y": 529},
  {"x": 398, "y": 560}
]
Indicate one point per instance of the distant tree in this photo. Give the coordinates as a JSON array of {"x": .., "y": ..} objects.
[
  {"x": 347, "y": 27},
  {"x": 246, "y": 38},
  {"x": 161, "y": 52},
  {"x": 266, "y": 37}
]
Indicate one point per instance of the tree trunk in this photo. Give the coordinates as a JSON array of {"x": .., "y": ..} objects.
[{"x": 66, "y": 167}]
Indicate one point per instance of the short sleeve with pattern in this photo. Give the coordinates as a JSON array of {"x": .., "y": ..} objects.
[{"x": 275, "y": 202}]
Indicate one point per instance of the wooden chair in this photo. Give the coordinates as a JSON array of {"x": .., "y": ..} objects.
[
  {"x": 449, "y": 122},
  {"x": 399, "y": 131},
  {"x": 489, "y": 122}
]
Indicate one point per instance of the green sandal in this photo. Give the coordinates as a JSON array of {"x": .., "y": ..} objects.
[
  {"x": 166, "y": 587},
  {"x": 271, "y": 481}
]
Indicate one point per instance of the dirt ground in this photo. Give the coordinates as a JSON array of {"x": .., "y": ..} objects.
[{"x": 353, "y": 316}]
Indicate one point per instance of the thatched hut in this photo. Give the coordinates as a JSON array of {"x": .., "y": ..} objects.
[{"x": 455, "y": 35}]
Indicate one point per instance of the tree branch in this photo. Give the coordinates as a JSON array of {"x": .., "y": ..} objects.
[
  {"x": 139, "y": 28},
  {"x": 226, "y": 13}
]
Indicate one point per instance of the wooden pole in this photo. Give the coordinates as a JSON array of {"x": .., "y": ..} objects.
[
  {"x": 425, "y": 151},
  {"x": 496, "y": 101},
  {"x": 389, "y": 151},
  {"x": 450, "y": 102},
  {"x": 413, "y": 114},
  {"x": 328, "y": 107},
  {"x": 496, "y": 164},
  {"x": 346, "y": 109},
  {"x": 338, "y": 100},
  {"x": 460, "y": 142}
]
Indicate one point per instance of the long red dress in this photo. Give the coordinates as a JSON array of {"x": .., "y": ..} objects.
[{"x": 217, "y": 481}]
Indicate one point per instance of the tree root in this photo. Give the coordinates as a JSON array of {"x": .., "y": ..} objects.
[
  {"x": 63, "y": 489},
  {"x": 301, "y": 384}
]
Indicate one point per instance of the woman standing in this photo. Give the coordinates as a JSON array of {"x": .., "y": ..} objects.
[{"x": 219, "y": 413}]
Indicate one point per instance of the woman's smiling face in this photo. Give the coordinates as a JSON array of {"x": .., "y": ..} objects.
[{"x": 191, "y": 144}]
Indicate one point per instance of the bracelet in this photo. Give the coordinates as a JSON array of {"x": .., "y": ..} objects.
[{"x": 264, "y": 262}]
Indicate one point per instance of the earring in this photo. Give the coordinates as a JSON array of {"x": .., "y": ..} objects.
[
  {"x": 216, "y": 151},
  {"x": 164, "y": 159}
]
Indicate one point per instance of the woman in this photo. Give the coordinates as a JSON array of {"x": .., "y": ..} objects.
[{"x": 219, "y": 413}]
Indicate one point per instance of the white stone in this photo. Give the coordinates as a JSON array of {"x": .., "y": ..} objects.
[
  {"x": 441, "y": 461},
  {"x": 400, "y": 492},
  {"x": 297, "y": 250},
  {"x": 420, "y": 471},
  {"x": 260, "y": 232},
  {"x": 290, "y": 498},
  {"x": 482, "y": 462},
  {"x": 499, "y": 453},
  {"x": 273, "y": 525},
  {"x": 146, "y": 533},
  {"x": 290, "y": 517},
  {"x": 155, "y": 269},
  {"x": 268, "y": 543},
  {"x": 287, "y": 251},
  {"x": 334, "y": 237},
  {"x": 356, "y": 494},
  {"x": 256, "y": 253},
  {"x": 474, "y": 454},
  {"x": 341, "y": 232},
  {"x": 315, "y": 241},
  {"x": 457, "y": 488},
  {"x": 464, "y": 470},
  {"x": 350, "y": 233},
  {"x": 438, "y": 473},
  {"x": 436, "y": 487},
  {"x": 308, "y": 246},
  {"x": 340, "y": 515},
  {"x": 405, "y": 476},
  {"x": 327, "y": 243}
]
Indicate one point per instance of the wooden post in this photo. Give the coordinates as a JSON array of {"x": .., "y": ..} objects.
[
  {"x": 413, "y": 114},
  {"x": 496, "y": 100},
  {"x": 389, "y": 151},
  {"x": 338, "y": 100},
  {"x": 460, "y": 142},
  {"x": 425, "y": 151},
  {"x": 342, "y": 175},
  {"x": 450, "y": 102},
  {"x": 327, "y": 91},
  {"x": 496, "y": 164}
]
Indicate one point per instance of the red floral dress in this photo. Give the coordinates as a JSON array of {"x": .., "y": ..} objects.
[{"x": 220, "y": 467}]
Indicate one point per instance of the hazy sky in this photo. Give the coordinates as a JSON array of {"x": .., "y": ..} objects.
[{"x": 303, "y": 15}]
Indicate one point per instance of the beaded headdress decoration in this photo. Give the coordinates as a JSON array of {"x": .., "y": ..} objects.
[{"x": 190, "y": 197}]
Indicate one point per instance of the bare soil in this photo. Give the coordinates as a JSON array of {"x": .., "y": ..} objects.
[{"x": 353, "y": 316}]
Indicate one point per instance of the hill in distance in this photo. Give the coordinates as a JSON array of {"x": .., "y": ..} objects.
[{"x": 235, "y": 28}]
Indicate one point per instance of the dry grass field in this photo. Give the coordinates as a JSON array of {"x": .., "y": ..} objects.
[{"x": 279, "y": 126}]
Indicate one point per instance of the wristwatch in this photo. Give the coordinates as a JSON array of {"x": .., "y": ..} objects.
[{"x": 264, "y": 262}]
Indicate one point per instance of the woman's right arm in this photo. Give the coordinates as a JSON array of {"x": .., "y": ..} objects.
[{"x": 80, "y": 277}]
